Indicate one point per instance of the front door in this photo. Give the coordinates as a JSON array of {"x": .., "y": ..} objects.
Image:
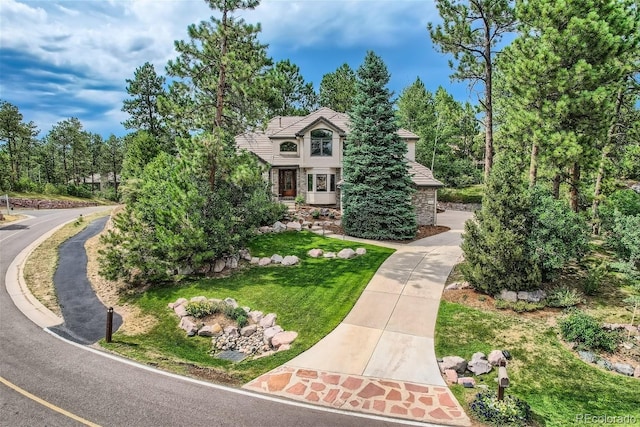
[{"x": 287, "y": 183}]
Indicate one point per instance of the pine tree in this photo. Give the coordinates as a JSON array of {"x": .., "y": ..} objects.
[
  {"x": 377, "y": 189},
  {"x": 338, "y": 89},
  {"x": 145, "y": 89},
  {"x": 495, "y": 244}
]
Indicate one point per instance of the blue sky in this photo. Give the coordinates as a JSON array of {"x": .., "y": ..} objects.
[{"x": 70, "y": 58}]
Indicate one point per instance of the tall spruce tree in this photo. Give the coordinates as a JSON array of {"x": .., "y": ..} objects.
[
  {"x": 338, "y": 89},
  {"x": 377, "y": 189}
]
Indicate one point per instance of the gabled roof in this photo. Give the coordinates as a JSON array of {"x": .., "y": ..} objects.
[
  {"x": 422, "y": 175},
  {"x": 290, "y": 127}
]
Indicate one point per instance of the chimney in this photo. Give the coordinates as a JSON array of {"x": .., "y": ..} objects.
[{"x": 279, "y": 121}]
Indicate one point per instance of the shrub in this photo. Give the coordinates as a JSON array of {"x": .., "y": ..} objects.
[
  {"x": 242, "y": 321},
  {"x": 50, "y": 189},
  {"x": 594, "y": 278},
  {"x": 586, "y": 332},
  {"x": 315, "y": 214},
  {"x": 625, "y": 240},
  {"x": 626, "y": 202},
  {"x": 299, "y": 200},
  {"x": 519, "y": 306},
  {"x": 510, "y": 411},
  {"x": 564, "y": 297},
  {"x": 78, "y": 191},
  {"x": 200, "y": 309}
]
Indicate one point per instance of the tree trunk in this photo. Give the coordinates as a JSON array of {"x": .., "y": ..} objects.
[
  {"x": 488, "y": 100},
  {"x": 574, "y": 192},
  {"x": 222, "y": 75},
  {"x": 557, "y": 180},
  {"x": 533, "y": 166}
]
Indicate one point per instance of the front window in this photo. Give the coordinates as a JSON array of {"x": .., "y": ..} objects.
[
  {"x": 288, "y": 147},
  {"x": 310, "y": 182},
  {"x": 321, "y": 142},
  {"x": 321, "y": 182}
]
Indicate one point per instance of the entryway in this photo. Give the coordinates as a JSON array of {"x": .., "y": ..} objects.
[{"x": 287, "y": 183}]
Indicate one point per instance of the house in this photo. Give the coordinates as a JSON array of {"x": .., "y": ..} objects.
[{"x": 304, "y": 158}]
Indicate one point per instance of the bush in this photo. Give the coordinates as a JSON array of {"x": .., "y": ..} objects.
[
  {"x": 625, "y": 202},
  {"x": 508, "y": 412},
  {"x": 625, "y": 241},
  {"x": 563, "y": 297},
  {"x": 78, "y": 191},
  {"x": 315, "y": 214},
  {"x": 586, "y": 332},
  {"x": 50, "y": 189},
  {"x": 594, "y": 278},
  {"x": 200, "y": 309},
  {"x": 519, "y": 306}
]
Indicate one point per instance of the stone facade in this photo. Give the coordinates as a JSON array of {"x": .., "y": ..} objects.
[{"x": 425, "y": 201}]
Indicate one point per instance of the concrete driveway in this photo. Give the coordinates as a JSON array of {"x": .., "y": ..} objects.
[{"x": 385, "y": 345}]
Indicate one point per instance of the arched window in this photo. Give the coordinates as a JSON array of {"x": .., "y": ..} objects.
[
  {"x": 288, "y": 147},
  {"x": 321, "y": 142}
]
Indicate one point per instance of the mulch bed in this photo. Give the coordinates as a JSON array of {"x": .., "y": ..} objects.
[{"x": 423, "y": 231}]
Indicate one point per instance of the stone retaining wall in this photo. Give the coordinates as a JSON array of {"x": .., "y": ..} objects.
[{"x": 47, "y": 204}]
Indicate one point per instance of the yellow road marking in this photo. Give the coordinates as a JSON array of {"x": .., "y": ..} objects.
[{"x": 47, "y": 404}]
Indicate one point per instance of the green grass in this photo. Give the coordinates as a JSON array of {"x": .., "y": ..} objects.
[
  {"x": 311, "y": 299},
  {"x": 472, "y": 194},
  {"x": 543, "y": 372}
]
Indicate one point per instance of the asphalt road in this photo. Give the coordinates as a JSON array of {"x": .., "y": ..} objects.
[{"x": 108, "y": 391}]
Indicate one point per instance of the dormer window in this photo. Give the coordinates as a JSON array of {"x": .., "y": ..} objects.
[
  {"x": 321, "y": 142},
  {"x": 288, "y": 147}
]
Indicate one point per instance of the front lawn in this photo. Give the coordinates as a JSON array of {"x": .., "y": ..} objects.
[
  {"x": 546, "y": 374},
  {"x": 311, "y": 298}
]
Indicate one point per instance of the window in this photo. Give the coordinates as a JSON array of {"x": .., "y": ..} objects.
[
  {"x": 321, "y": 142},
  {"x": 321, "y": 182},
  {"x": 332, "y": 183},
  {"x": 288, "y": 147},
  {"x": 310, "y": 182}
]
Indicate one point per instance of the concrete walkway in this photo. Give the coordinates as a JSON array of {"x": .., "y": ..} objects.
[{"x": 381, "y": 358}]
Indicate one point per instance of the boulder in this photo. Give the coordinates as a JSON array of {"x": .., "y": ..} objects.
[
  {"x": 254, "y": 260},
  {"x": 496, "y": 357},
  {"x": 456, "y": 363},
  {"x": 210, "y": 330},
  {"x": 178, "y": 302},
  {"x": 245, "y": 254},
  {"x": 468, "y": 382},
  {"x": 232, "y": 302},
  {"x": 200, "y": 298},
  {"x": 451, "y": 287},
  {"x": 271, "y": 332},
  {"x": 231, "y": 331},
  {"x": 276, "y": 259},
  {"x": 346, "y": 253},
  {"x": 636, "y": 372},
  {"x": 268, "y": 321},
  {"x": 361, "y": 251},
  {"x": 296, "y": 226},
  {"x": 533, "y": 296},
  {"x": 279, "y": 227},
  {"x": 314, "y": 253},
  {"x": 264, "y": 261},
  {"x": 290, "y": 260},
  {"x": 265, "y": 229},
  {"x": 478, "y": 356},
  {"x": 330, "y": 255},
  {"x": 285, "y": 337},
  {"x": 479, "y": 365},
  {"x": 231, "y": 262},
  {"x": 255, "y": 316},
  {"x": 284, "y": 347},
  {"x": 623, "y": 368},
  {"x": 219, "y": 265},
  {"x": 248, "y": 330},
  {"x": 189, "y": 326},
  {"x": 451, "y": 375},
  {"x": 180, "y": 310},
  {"x": 587, "y": 356},
  {"x": 510, "y": 296},
  {"x": 605, "y": 364}
]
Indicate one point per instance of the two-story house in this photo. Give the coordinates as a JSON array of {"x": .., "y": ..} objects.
[{"x": 304, "y": 157}]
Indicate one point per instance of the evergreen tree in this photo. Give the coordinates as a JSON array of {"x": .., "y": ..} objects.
[
  {"x": 471, "y": 31},
  {"x": 145, "y": 89},
  {"x": 338, "y": 89},
  {"x": 377, "y": 189},
  {"x": 17, "y": 138},
  {"x": 291, "y": 95},
  {"x": 495, "y": 244}
]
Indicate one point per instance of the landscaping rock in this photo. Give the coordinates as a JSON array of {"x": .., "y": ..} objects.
[
  {"x": 451, "y": 375},
  {"x": 271, "y": 332},
  {"x": 264, "y": 261},
  {"x": 636, "y": 372},
  {"x": 467, "y": 382},
  {"x": 232, "y": 262},
  {"x": 279, "y": 227},
  {"x": 330, "y": 255},
  {"x": 245, "y": 254},
  {"x": 346, "y": 253},
  {"x": 478, "y": 356},
  {"x": 587, "y": 356},
  {"x": 200, "y": 298},
  {"x": 255, "y": 316},
  {"x": 232, "y": 302},
  {"x": 451, "y": 287},
  {"x": 605, "y": 364},
  {"x": 210, "y": 330},
  {"x": 189, "y": 326},
  {"x": 290, "y": 260},
  {"x": 496, "y": 357},
  {"x": 508, "y": 295},
  {"x": 180, "y": 310},
  {"x": 623, "y": 369},
  {"x": 268, "y": 321},
  {"x": 248, "y": 330},
  {"x": 286, "y": 337},
  {"x": 456, "y": 363},
  {"x": 276, "y": 259},
  {"x": 231, "y": 331},
  {"x": 255, "y": 260},
  {"x": 315, "y": 253},
  {"x": 479, "y": 366},
  {"x": 533, "y": 296},
  {"x": 178, "y": 302},
  {"x": 284, "y": 347},
  {"x": 219, "y": 265},
  {"x": 361, "y": 251},
  {"x": 296, "y": 226}
]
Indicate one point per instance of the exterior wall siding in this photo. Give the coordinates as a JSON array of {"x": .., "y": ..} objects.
[{"x": 424, "y": 201}]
